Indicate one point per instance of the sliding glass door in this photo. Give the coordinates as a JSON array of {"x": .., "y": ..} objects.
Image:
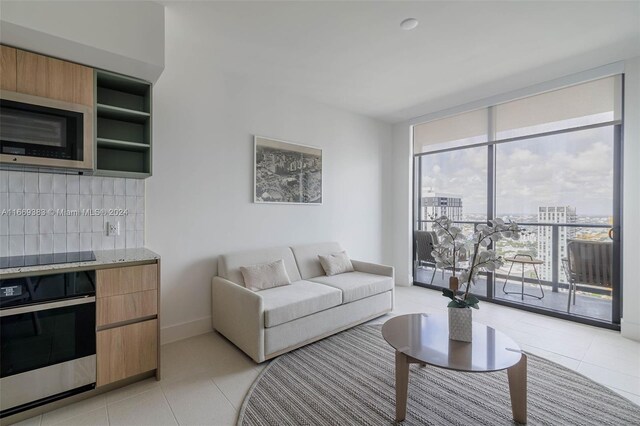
[{"x": 548, "y": 163}]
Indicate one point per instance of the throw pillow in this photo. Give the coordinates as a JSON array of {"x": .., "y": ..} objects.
[
  {"x": 336, "y": 263},
  {"x": 265, "y": 275}
]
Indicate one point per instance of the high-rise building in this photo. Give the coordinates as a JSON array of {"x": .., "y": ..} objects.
[
  {"x": 436, "y": 205},
  {"x": 558, "y": 214}
]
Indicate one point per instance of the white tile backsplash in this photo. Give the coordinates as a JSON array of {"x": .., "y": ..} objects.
[
  {"x": 31, "y": 243},
  {"x": 46, "y": 243},
  {"x": 16, "y": 225},
  {"x": 30, "y": 182},
  {"x": 85, "y": 241},
  {"x": 4, "y": 225},
  {"x": 4, "y": 181},
  {"x": 16, "y": 200},
  {"x": 85, "y": 185},
  {"x": 16, "y": 245},
  {"x": 59, "y": 184},
  {"x": 131, "y": 187},
  {"x": 73, "y": 184},
  {"x": 31, "y": 225},
  {"x": 119, "y": 186},
  {"x": 49, "y": 232},
  {"x": 59, "y": 243},
  {"x": 96, "y": 241},
  {"x": 96, "y": 185},
  {"x": 16, "y": 181},
  {"x": 107, "y": 186},
  {"x": 73, "y": 241},
  {"x": 45, "y": 183},
  {"x": 31, "y": 201},
  {"x": 46, "y": 225}
]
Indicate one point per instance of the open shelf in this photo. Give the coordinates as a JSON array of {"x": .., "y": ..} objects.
[
  {"x": 118, "y": 144},
  {"x": 123, "y": 126},
  {"x": 117, "y": 113},
  {"x": 122, "y": 160}
]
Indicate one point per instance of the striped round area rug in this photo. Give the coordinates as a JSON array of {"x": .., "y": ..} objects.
[{"x": 349, "y": 379}]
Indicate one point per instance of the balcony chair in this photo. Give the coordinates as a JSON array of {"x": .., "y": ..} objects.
[
  {"x": 425, "y": 240},
  {"x": 588, "y": 262}
]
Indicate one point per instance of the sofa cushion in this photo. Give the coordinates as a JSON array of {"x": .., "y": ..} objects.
[
  {"x": 301, "y": 298},
  {"x": 265, "y": 275},
  {"x": 336, "y": 263},
  {"x": 357, "y": 285},
  {"x": 229, "y": 264},
  {"x": 307, "y": 258}
]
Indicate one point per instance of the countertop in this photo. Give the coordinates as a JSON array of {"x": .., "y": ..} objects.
[{"x": 104, "y": 258}]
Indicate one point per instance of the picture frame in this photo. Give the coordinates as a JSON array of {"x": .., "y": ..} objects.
[{"x": 286, "y": 172}]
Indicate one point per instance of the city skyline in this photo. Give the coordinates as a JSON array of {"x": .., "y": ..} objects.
[{"x": 565, "y": 169}]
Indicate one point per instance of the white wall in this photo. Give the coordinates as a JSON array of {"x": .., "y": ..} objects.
[
  {"x": 631, "y": 201},
  {"x": 400, "y": 234},
  {"x": 199, "y": 200},
  {"x": 125, "y": 37}
]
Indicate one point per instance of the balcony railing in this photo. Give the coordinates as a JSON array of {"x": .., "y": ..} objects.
[{"x": 551, "y": 272}]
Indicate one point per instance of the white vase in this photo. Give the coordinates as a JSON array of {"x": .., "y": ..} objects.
[{"x": 460, "y": 327}]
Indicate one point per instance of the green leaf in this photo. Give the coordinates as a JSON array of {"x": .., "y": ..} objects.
[
  {"x": 472, "y": 300},
  {"x": 448, "y": 293},
  {"x": 474, "y": 306},
  {"x": 453, "y": 304}
]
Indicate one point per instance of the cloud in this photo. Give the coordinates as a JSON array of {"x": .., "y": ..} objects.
[{"x": 566, "y": 169}]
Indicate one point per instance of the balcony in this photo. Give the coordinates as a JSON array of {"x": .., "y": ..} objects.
[{"x": 546, "y": 242}]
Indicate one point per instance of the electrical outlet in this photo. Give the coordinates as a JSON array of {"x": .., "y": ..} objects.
[{"x": 113, "y": 228}]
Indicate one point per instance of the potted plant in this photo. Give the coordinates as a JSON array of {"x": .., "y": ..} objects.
[{"x": 454, "y": 248}]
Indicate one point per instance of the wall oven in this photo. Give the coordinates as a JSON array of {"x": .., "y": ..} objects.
[
  {"x": 44, "y": 133},
  {"x": 47, "y": 339}
]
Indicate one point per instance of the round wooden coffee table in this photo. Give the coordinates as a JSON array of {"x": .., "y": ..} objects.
[{"x": 424, "y": 339}]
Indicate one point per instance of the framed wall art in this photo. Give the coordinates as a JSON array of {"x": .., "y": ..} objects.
[{"x": 286, "y": 173}]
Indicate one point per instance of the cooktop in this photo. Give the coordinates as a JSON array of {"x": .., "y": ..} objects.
[{"x": 46, "y": 259}]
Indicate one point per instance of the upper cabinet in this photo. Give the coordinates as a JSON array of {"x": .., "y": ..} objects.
[
  {"x": 122, "y": 106},
  {"x": 52, "y": 78},
  {"x": 8, "y": 68}
]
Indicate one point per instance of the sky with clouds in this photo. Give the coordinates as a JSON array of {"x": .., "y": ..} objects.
[{"x": 574, "y": 169}]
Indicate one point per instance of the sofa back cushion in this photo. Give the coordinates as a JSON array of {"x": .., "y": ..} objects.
[
  {"x": 265, "y": 275},
  {"x": 229, "y": 264},
  {"x": 307, "y": 257}
]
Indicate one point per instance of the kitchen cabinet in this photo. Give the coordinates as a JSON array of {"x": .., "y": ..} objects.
[
  {"x": 114, "y": 281},
  {"x": 126, "y": 351},
  {"x": 127, "y": 340},
  {"x": 8, "y": 68},
  {"x": 53, "y": 78},
  {"x": 122, "y": 106}
]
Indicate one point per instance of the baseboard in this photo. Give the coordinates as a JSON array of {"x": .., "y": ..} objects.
[
  {"x": 630, "y": 330},
  {"x": 184, "y": 330}
]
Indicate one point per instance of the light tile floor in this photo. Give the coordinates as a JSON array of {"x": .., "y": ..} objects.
[{"x": 205, "y": 378}]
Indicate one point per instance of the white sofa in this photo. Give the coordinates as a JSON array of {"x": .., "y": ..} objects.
[{"x": 268, "y": 323}]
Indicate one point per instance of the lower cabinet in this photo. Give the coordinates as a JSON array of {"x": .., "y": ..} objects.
[{"x": 126, "y": 351}]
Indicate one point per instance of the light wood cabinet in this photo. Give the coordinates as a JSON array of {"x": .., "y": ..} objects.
[
  {"x": 126, "y": 351},
  {"x": 131, "y": 279},
  {"x": 8, "y": 68},
  {"x": 127, "y": 321},
  {"x": 48, "y": 77},
  {"x": 126, "y": 307}
]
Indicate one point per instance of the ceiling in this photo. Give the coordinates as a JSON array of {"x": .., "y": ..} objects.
[{"x": 353, "y": 55}]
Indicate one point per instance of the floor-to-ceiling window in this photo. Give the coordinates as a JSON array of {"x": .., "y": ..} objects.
[{"x": 549, "y": 162}]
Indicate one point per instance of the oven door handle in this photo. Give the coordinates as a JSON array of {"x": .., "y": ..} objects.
[{"x": 46, "y": 306}]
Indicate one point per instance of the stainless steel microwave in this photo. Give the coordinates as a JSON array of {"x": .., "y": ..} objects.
[{"x": 45, "y": 133}]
